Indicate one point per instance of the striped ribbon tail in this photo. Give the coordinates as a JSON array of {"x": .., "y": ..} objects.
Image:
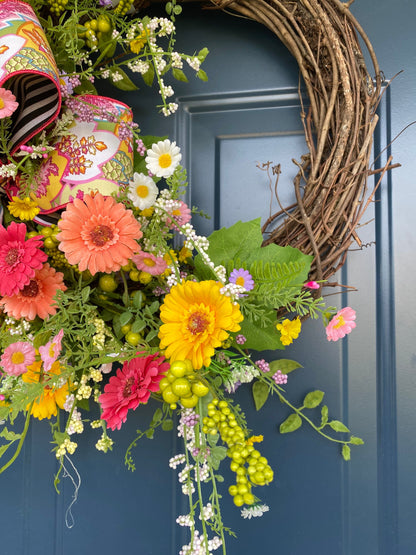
[{"x": 28, "y": 70}]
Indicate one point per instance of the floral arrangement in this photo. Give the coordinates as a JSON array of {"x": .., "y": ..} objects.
[{"x": 108, "y": 295}]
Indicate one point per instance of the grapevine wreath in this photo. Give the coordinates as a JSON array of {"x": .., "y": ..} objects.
[{"x": 331, "y": 184}]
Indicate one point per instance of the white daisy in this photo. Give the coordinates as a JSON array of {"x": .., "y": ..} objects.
[
  {"x": 142, "y": 191},
  {"x": 163, "y": 158}
]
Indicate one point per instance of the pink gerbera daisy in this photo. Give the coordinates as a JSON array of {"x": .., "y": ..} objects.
[
  {"x": 50, "y": 352},
  {"x": 341, "y": 324},
  {"x": 37, "y": 297},
  {"x": 17, "y": 357},
  {"x": 181, "y": 215},
  {"x": 147, "y": 262},
  {"x": 18, "y": 258},
  {"x": 8, "y": 103},
  {"x": 131, "y": 386},
  {"x": 98, "y": 233}
]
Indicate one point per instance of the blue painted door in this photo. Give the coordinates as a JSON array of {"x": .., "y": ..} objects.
[{"x": 248, "y": 113}]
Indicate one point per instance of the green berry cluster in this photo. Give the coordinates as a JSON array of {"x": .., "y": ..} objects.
[
  {"x": 182, "y": 384},
  {"x": 246, "y": 461}
]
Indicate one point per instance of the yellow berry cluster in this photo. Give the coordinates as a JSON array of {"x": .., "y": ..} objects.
[
  {"x": 123, "y": 7},
  {"x": 182, "y": 384},
  {"x": 246, "y": 461},
  {"x": 57, "y": 7}
]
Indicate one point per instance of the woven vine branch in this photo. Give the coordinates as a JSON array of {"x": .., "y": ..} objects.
[{"x": 331, "y": 183}]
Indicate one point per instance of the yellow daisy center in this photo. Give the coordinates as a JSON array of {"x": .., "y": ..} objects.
[
  {"x": 240, "y": 281},
  {"x": 197, "y": 323},
  {"x": 1, "y": 103},
  {"x": 18, "y": 357},
  {"x": 142, "y": 191},
  {"x": 340, "y": 322},
  {"x": 149, "y": 262},
  {"x": 176, "y": 212},
  {"x": 165, "y": 160}
]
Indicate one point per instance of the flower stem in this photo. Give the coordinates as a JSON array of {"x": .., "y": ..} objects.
[{"x": 21, "y": 441}]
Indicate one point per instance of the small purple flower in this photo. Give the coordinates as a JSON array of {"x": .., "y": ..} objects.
[
  {"x": 280, "y": 378},
  {"x": 240, "y": 339},
  {"x": 263, "y": 365},
  {"x": 242, "y": 277}
]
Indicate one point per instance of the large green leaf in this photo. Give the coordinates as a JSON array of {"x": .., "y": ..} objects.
[{"x": 260, "y": 338}]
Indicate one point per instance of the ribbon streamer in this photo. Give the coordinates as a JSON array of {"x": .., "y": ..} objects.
[{"x": 28, "y": 70}]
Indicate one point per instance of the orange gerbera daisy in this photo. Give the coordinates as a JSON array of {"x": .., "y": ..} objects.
[
  {"x": 98, "y": 233},
  {"x": 46, "y": 404},
  {"x": 37, "y": 297},
  {"x": 196, "y": 320}
]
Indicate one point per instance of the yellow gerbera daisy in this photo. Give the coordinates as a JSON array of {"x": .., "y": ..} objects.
[
  {"x": 24, "y": 209},
  {"x": 46, "y": 404},
  {"x": 196, "y": 319}
]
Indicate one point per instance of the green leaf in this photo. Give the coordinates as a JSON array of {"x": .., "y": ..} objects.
[
  {"x": 125, "y": 83},
  {"x": 151, "y": 335},
  {"x": 313, "y": 399},
  {"x": 85, "y": 294},
  {"x": 202, "y": 54},
  {"x": 217, "y": 454},
  {"x": 356, "y": 440},
  {"x": 157, "y": 417},
  {"x": 213, "y": 439},
  {"x": 292, "y": 423},
  {"x": 41, "y": 339},
  {"x": 285, "y": 365},
  {"x": 9, "y": 435},
  {"x": 202, "y": 75},
  {"x": 138, "y": 325},
  {"x": 346, "y": 452},
  {"x": 149, "y": 76},
  {"x": 168, "y": 8},
  {"x": 150, "y": 433},
  {"x": 179, "y": 75},
  {"x": 167, "y": 425},
  {"x": 338, "y": 426},
  {"x": 324, "y": 416},
  {"x": 261, "y": 338},
  {"x": 260, "y": 392},
  {"x": 177, "y": 10},
  {"x": 125, "y": 317}
]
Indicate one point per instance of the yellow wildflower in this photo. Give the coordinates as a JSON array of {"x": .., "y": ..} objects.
[
  {"x": 137, "y": 44},
  {"x": 289, "y": 330},
  {"x": 254, "y": 439},
  {"x": 46, "y": 404},
  {"x": 24, "y": 209},
  {"x": 184, "y": 254}
]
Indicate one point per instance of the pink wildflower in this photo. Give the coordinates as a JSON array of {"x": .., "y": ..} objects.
[
  {"x": 341, "y": 324},
  {"x": 51, "y": 351},
  {"x": 312, "y": 285},
  {"x": 17, "y": 357},
  {"x": 181, "y": 215},
  {"x": 18, "y": 258},
  {"x": 8, "y": 103},
  {"x": 147, "y": 262}
]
